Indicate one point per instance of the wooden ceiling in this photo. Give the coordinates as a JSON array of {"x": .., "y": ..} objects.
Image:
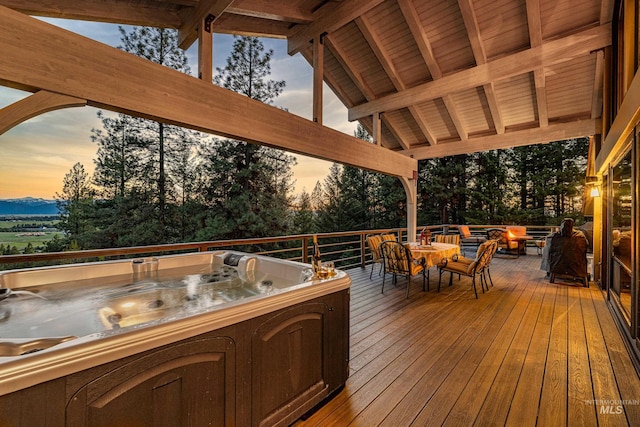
[{"x": 443, "y": 77}]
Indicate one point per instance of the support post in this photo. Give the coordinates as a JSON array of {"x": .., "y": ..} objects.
[
  {"x": 318, "y": 78},
  {"x": 411, "y": 190},
  {"x": 205, "y": 50},
  {"x": 377, "y": 128}
]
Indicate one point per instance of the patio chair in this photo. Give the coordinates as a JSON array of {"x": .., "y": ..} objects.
[
  {"x": 398, "y": 261},
  {"x": 492, "y": 246},
  {"x": 501, "y": 236},
  {"x": 453, "y": 239},
  {"x": 473, "y": 269},
  {"x": 467, "y": 237},
  {"x": 374, "y": 241}
]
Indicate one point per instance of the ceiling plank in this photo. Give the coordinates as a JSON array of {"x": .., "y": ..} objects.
[
  {"x": 191, "y": 18},
  {"x": 553, "y": 132},
  {"x": 99, "y": 11},
  {"x": 328, "y": 19},
  {"x": 37, "y": 55},
  {"x": 549, "y": 53},
  {"x": 269, "y": 9},
  {"x": 348, "y": 67}
]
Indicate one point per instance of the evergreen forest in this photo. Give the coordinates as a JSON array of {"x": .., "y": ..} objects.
[{"x": 155, "y": 183}]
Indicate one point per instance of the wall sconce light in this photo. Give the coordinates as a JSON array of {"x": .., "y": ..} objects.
[{"x": 593, "y": 182}]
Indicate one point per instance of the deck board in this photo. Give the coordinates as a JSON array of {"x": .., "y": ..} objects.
[{"x": 527, "y": 352}]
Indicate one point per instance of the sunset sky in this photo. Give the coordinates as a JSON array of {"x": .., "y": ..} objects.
[{"x": 36, "y": 155}]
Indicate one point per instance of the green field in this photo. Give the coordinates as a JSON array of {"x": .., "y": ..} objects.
[{"x": 20, "y": 239}]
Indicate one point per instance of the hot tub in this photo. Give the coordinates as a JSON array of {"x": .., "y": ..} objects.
[{"x": 62, "y": 322}]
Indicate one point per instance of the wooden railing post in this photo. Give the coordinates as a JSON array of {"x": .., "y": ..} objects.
[
  {"x": 363, "y": 258},
  {"x": 305, "y": 250}
]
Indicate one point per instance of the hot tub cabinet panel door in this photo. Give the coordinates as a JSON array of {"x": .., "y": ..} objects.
[
  {"x": 189, "y": 384},
  {"x": 290, "y": 364}
]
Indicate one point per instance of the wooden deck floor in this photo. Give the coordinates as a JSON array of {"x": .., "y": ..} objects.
[{"x": 528, "y": 352}]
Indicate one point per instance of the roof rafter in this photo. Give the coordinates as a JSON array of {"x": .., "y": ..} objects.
[
  {"x": 477, "y": 47},
  {"x": 549, "y": 53},
  {"x": 328, "y": 19},
  {"x": 192, "y": 17},
  {"x": 535, "y": 40},
  {"x": 383, "y": 57},
  {"x": 426, "y": 51}
]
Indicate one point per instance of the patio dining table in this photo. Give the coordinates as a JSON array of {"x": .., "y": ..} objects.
[{"x": 434, "y": 252}]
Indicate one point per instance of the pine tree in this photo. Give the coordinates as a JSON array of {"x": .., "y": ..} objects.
[
  {"x": 117, "y": 164},
  {"x": 249, "y": 185},
  {"x": 329, "y": 213},
  {"x": 75, "y": 204},
  {"x": 162, "y": 144},
  {"x": 303, "y": 217},
  {"x": 441, "y": 187}
]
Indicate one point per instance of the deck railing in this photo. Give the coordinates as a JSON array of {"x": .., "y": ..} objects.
[{"x": 347, "y": 249}]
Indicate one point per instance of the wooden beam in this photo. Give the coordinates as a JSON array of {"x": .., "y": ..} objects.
[
  {"x": 420, "y": 35},
  {"x": 328, "y": 19},
  {"x": 37, "y": 55},
  {"x": 553, "y": 132},
  {"x": 534, "y": 22},
  {"x": 192, "y": 17},
  {"x": 606, "y": 11},
  {"x": 100, "y": 11},
  {"x": 494, "y": 107},
  {"x": 423, "y": 124},
  {"x": 541, "y": 97},
  {"x": 548, "y": 54},
  {"x": 38, "y": 103},
  {"x": 455, "y": 117},
  {"x": 473, "y": 30},
  {"x": 239, "y": 25},
  {"x": 269, "y": 9},
  {"x": 596, "y": 101}
]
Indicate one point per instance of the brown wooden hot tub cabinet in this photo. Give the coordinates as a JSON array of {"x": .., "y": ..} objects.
[{"x": 268, "y": 370}]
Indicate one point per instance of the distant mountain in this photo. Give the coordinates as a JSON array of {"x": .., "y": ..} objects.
[{"x": 28, "y": 206}]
